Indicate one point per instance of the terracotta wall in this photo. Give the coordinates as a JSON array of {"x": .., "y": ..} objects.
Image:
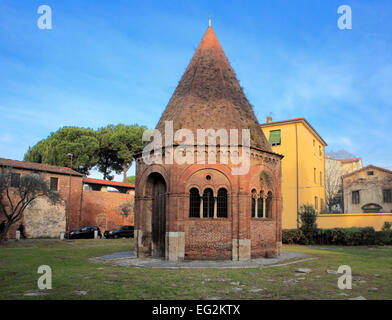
[
  {"x": 103, "y": 209},
  {"x": 263, "y": 236},
  {"x": 208, "y": 239},
  {"x": 42, "y": 219}
]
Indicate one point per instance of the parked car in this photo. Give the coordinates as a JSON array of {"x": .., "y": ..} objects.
[
  {"x": 84, "y": 233},
  {"x": 120, "y": 232}
]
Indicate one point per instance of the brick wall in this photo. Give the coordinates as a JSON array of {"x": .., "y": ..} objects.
[
  {"x": 208, "y": 239},
  {"x": 83, "y": 207},
  {"x": 102, "y": 209},
  {"x": 263, "y": 236},
  {"x": 42, "y": 219}
]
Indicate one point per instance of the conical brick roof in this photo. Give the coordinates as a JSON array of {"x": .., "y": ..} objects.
[{"x": 209, "y": 96}]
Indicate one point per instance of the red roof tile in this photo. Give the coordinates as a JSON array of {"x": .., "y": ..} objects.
[
  {"x": 349, "y": 160},
  {"x": 370, "y": 166},
  {"x": 38, "y": 167},
  {"x": 108, "y": 183}
]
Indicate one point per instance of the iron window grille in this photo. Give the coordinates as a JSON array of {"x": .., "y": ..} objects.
[
  {"x": 15, "y": 179},
  {"x": 355, "y": 197},
  {"x": 260, "y": 207},
  {"x": 387, "y": 195},
  {"x": 194, "y": 203},
  {"x": 222, "y": 203},
  {"x": 268, "y": 206},
  {"x": 54, "y": 182}
]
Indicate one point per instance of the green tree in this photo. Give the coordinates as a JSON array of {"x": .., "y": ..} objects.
[
  {"x": 82, "y": 143},
  {"x": 131, "y": 179},
  {"x": 109, "y": 148},
  {"x": 127, "y": 140},
  {"x": 108, "y": 159}
]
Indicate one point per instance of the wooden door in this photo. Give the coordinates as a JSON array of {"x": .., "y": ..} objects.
[{"x": 159, "y": 217}]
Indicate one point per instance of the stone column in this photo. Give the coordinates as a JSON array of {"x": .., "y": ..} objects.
[
  {"x": 175, "y": 237},
  {"x": 215, "y": 207},
  {"x": 175, "y": 246},
  {"x": 241, "y": 243},
  {"x": 201, "y": 207},
  {"x": 256, "y": 206}
]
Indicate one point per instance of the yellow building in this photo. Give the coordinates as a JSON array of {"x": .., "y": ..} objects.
[{"x": 303, "y": 165}]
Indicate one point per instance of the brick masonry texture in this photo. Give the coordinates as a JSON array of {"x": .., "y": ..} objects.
[
  {"x": 42, "y": 219},
  {"x": 209, "y": 96},
  {"x": 103, "y": 209}
]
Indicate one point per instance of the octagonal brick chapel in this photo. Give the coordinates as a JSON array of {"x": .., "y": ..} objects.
[{"x": 201, "y": 210}]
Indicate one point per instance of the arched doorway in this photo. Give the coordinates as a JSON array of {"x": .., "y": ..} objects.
[{"x": 158, "y": 219}]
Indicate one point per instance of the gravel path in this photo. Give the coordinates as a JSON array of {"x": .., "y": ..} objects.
[{"x": 127, "y": 258}]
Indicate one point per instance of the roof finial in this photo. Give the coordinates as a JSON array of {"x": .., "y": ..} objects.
[{"x": 209, "y": 19}]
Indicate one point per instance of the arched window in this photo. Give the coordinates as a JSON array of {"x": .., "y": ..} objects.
[
  {"x": 260, "y": 205},
  {"x": 268, "y": 206},
  {"x": 253, "y": 203},
  {"x": 194, "y": 203},
  {"x": 222, "y": 203},
  {"x": 208, "y": 203}
]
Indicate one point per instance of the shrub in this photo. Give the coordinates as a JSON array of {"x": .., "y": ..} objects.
[
  {"x": 293, "y": 236},
  {"x": 345, "y": 236},
  {"x": 387, "y": 226},
  {"x": 308, "y": 217},
  {"x": 338, "y": 236},
  {"x": 383, "y": 237}
]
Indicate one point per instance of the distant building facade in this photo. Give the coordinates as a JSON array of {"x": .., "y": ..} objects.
[
  {"x": 350, "y": 165},
  {"x": 368, "y": 190},
  {"x": 303, "y": 171},
  {"x": 334, "y": 170},
  {"x": 84, "y": 201}
]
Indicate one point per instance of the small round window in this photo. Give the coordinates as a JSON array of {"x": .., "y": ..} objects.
[{"x": 208, "y": 177}]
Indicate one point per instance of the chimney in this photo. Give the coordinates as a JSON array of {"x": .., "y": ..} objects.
[{"x": 269, "y": 119}]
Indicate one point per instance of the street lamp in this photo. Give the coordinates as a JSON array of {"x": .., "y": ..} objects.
[{"x": 70, "y": 155}]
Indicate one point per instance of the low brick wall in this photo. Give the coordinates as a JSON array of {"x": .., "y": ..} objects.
[
  {"x": 347, "y": 220},
  {"x": 103, "y": 209}
]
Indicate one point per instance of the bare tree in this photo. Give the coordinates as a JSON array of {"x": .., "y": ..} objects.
[
  {"x": 15, "y": 196},
  {"x": 333, "y": 184},
  {"x": 340, "y": 154}
]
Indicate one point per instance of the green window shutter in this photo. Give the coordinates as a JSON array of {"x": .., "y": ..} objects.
[{"x": 274, "y": 138}]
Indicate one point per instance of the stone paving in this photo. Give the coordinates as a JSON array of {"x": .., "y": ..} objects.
[{"x": 127, "y": 258}]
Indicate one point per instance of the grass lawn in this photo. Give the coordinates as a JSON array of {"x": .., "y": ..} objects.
[{"x": 19, "y": 262}]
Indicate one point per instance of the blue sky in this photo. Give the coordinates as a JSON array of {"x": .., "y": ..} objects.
[{"x": 119, "y": 62}]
